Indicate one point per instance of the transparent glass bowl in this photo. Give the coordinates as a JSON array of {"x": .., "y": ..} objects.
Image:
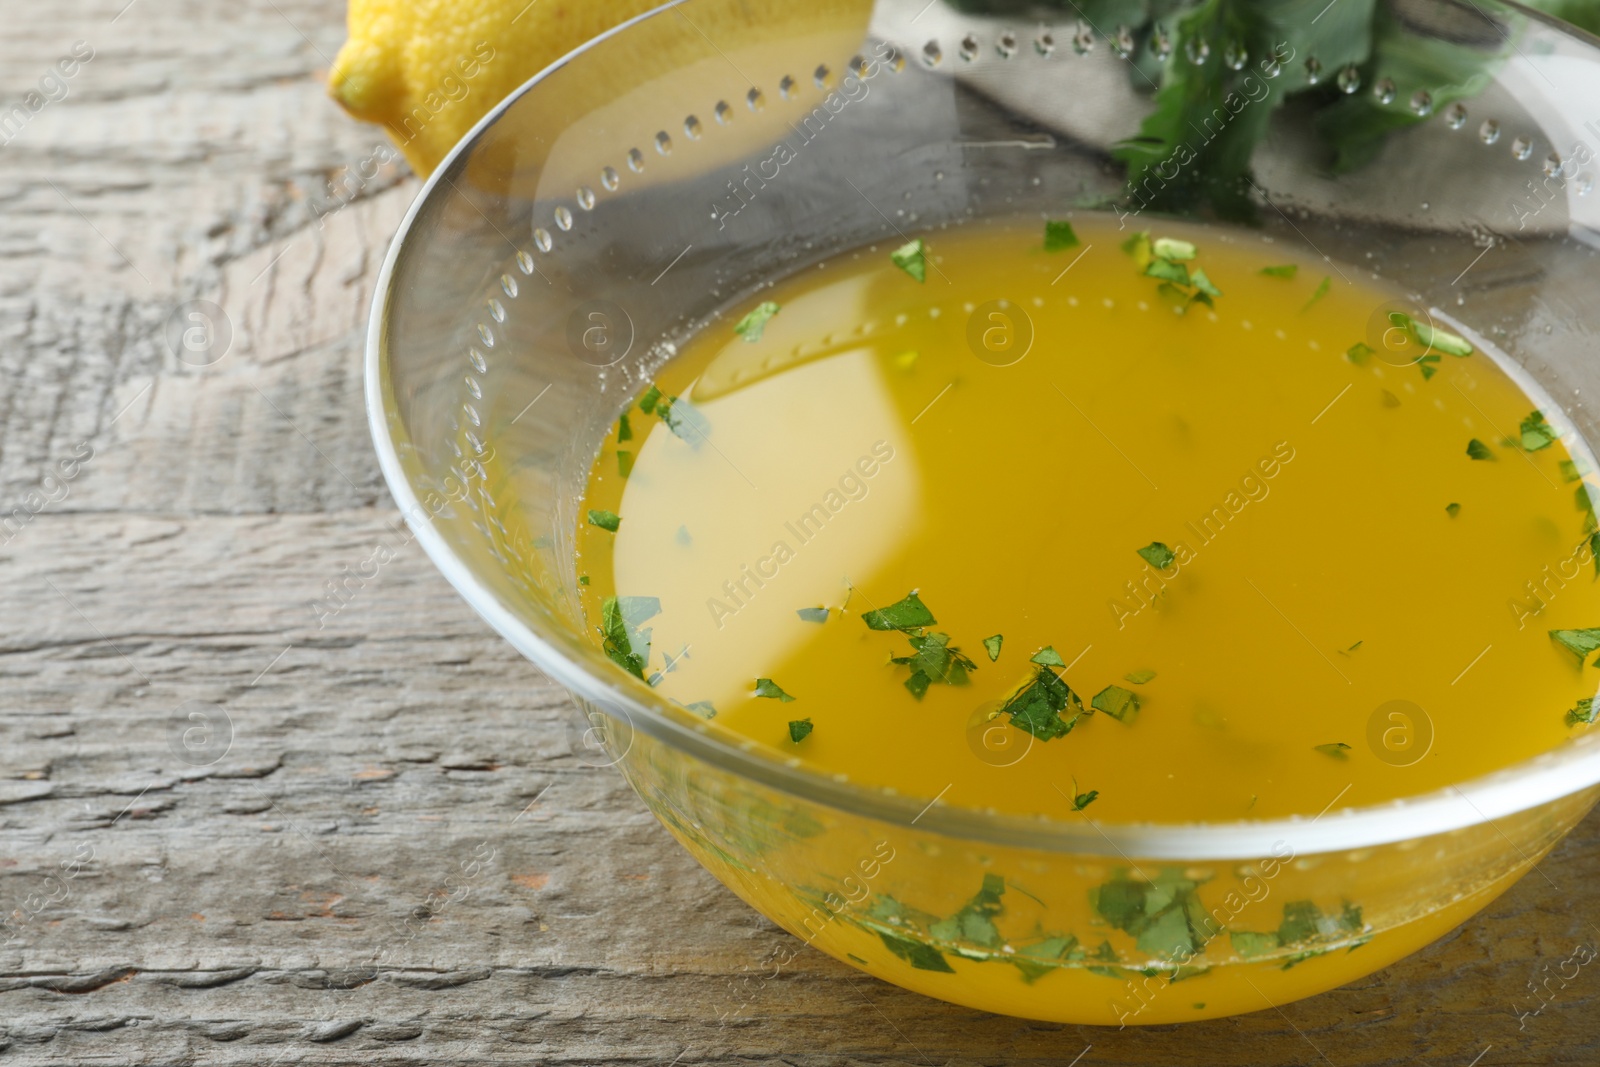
[{"x": 620, "y": 199}]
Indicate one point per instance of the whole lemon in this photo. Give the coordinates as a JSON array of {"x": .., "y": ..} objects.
[{"x": 428, "y": 70}]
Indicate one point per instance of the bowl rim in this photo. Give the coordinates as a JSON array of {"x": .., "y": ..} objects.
[{"x": 1530, "y": 783}]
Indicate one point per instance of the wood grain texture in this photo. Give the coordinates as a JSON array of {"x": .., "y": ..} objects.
[{"x": 379, "y": 847}]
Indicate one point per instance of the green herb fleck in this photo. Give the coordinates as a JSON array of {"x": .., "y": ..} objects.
[
  {"x": 813, "y": 614},
  {"x": 1157, "y": 555},
  {"x": 624, "y": 428},
  {"x": 1048, "y": 657},
  {"x": 1337, "y": 750},
  {"x": 583, "y": 579},
  {"x": 992, "y": 646},
  {"x": 799, "y": 730},
  {"x": 1198, "y": 279},
  {"x": 620, "y": 636},
  {"x": 1569, "y": 471},
  {"x": 1168, "y": 271},
  {"x": 606, "y": 520},
  {"x": 1164, "y": 915},
  {"x": 1139, "y": 677},
  {"x": 766, "y": 687},
  {"x": 1478, "y": 450},
  {"x": 934, "y": 659},
  {"x": 1059, "y": 235},
  {"x": 1359, "y": 353},
  {"x": 1322, "y": 291},
  {"x": 682, "y": 536},
  {"x": 1579, "y": 642},
  {"x": 1119, "y": 703},
  {"x": 1288, "y": 270},
  {"x": 912, "y": 257},
  {"x": 1453, "y": 508},
  {"x": 922, "y": 957},
  {"x": 647, "y": 402},
  {"x": 751, "y": 326},
  {"x": 975, "y": 921},
  {"x": 1172, "y": 248},
  {"x": 907, "y": 614},
  {"x": 1138, "y": 246},
  {"x": 1038, "y": 705},
  {"x": 624, "y": 462},
  {"x": 1537, "y": 433},
  {"x": 1585, "y": 712},
  {"x": 702, "y": 708},
  {"x": 1082, "y": 800}
]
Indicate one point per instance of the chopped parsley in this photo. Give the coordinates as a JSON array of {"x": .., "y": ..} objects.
[
  {"x": 1478, "y": 450},
  {"x": 1570, "y": 471},
  {"x": 624, "y": 428},
  {"x": 624, "y": 462},
  {"x": 1172, "y": 249},
  {"x": 1579, "y": 642},
  {"x": 975, "y": 921},
  {"x": 1288, "y": 270},
  {"x": 799, "y": 730},
  {"x": 1537, "y": 433},
  {"x": 1303, "y": 926},
  {"x": 1359, "y": 352},
  {"x": 606, "y": 520},
  {"x": 1163, "y": 259},
  {"x": 992, "y": 645},
  {"x": 1047, "y": 657},
  {"x": 1139, "y": 677},
  {"x": 766, "y": 687},
  {"x": 1165, "y": 916},
  {"x": 1425, "y": 364},
  {"x": 1082, "y": 800},
  {"x": 1453, "y": 508},
  {"x": 583, "y": 579},
  {"x": 678, "y": 414},
  {"x": 1322, "y": 291},
  {"x": 620, "y": 636},
  {"x": 813, "y": 614},
  {"x": 703, "y": 708},
  {"x": 912, "y": 257},
  {"x": 1038, "y": 705},
  {"x": 1585, "y": 712},
  {"x": 1119, "y": 703},
  {"x": 922, "y": 957},
  {"x": 934, "y": 659},
  {"x": 1337, "y": 750},
  {"x": 1058, "y": 235},
  {"x": 907, "y": 614},
  {"x": 647, "y": 402},
  {"x": 1157, "y": 555},
  {"x": 751, "y": 326}
]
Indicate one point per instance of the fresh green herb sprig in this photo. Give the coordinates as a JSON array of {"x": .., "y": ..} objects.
[
  {"x": 1045, "y": 706},
  {"x": 1167, "y": 259}
]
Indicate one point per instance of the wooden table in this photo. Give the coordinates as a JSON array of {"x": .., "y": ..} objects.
[{"x": 218, "y": 806}]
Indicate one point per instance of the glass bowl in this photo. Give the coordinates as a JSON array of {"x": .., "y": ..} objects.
[{"x": 630, "y": 193}]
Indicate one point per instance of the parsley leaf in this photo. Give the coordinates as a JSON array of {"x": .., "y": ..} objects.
[
  {"x": 1536, "y": 432},
  {"x": 1453, "y": 509},
  {"x": 813, "y": 614},
  {"x": 1082, "y": 800},
  {"x": 1478, "y": 450},
  {"x": 1139, "y": 677},
  {"x": 1138, "y": 246},
  {"x": 1359, "y": 352},
  {"x": 1322, "y": 291},
  {"x": 799, "y": 730},
  {"x": 620, "y": 636},
  {"x": 1170, "y": 248},
  {"x": 624, "y": 462},
  {"x": 606, "y": 520},
  {"x": 1037, "y": 706},
  {"x": 1119, "y": 703},
  {"x": 1157, "y": 555},
  {"x": 1168, "y": 271},
  {"x": 912, "y": 257},
  {"x": 583, "y": 579},
  {"x": 647, "y": 402},
  {"x": 1058, "y": 235},
  {"x": 751, "y": 326},
  {"x": 922, "y": 957},
  {"x": 766, "y": 687},
  {"x": 1579, "y": 642},
  {"x": 1337, "y": 750},
  {"x": 934, "y": 659},
  {"x": 992, "y": 646},
  {"x": 1163, "y": 915},
  {"x": 1288, "y": 270},
  {"x": 1198, "y": 279},
  {"x": 1587, "y": 710},
  {"x": 1048, "y": 657},
  {"x": 703, "y": 708},
  {"x": 624, "y": 428},
  {"x": 907, "y": 614}
]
